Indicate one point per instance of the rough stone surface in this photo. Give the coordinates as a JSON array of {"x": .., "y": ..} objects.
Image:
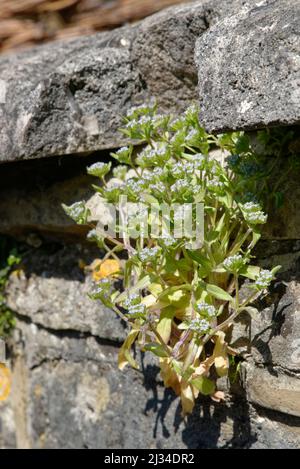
[
  {"x": 249, "y": 68},
  {"x": 52, "y": 291},
  {"x": 69, "y": 97},
  {"x": 64, "y": 361},
  {"x": 77, "y": 377},
  {"x": 273, "y": 389},
  {"x": 67, "y": 391},
  {"x": 273, "y": 337}
]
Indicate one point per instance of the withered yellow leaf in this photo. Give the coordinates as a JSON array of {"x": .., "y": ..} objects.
[
  {"x": 5, "y": 382},
  {"x": 107, "y": 268},
  {"x": 220, "y": 355},
  {"x": 169, "y": 376},
  {"x": 125, "y": 356},
  {"x": 218, "y": 396},
  {"x": 187, "y": 398}
]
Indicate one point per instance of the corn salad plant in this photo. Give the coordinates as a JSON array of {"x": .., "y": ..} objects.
[{"x": 179, "y": 302}]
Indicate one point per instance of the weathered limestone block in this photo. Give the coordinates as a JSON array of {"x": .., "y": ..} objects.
[
  {"x": 249, "y": 68},
  {"x": 52, "y": 291},
  {"x": 273, "y": 336},
  {"x": 64, "y": 361},
  {"x": 7, "y": 426},
  {"x": 69, "y": 97},
  {"x": 272, "y": 389},
  {"x": 63, "y": 374},
  {"x": 102, "y": 407}
]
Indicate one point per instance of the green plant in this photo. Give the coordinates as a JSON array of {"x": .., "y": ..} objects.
[
  {"x": 180, "y": 302},
  {"x": 8, "y": 259}
]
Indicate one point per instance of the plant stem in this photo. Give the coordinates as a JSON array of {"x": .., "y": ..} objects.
[{"x": 160, "y": 339}]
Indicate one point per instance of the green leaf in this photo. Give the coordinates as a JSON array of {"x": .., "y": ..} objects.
[
  {"x": 212, "y": 237},
  {"x": 250, "y": 271},
  {"x": 141, "y": 284},
  {"x": 177, "y": 366},
  {"x": 157, "y": 349},
  {"x": 200, "y": 259},
  {"x": 218, "y": 293},
  {"x": 276, "y": 269},
  {"x": 204, "y": 385},
  {"x": 242, "y": 144}
]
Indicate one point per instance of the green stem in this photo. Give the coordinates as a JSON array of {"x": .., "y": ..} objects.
[{"x": 160, "y": 339}]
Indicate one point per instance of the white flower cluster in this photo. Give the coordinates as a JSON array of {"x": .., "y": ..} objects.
[
  {"x": 151, "y": 177},
  {"x": 132, "y": 300},
  {"x": 123, "y": 155},
  {"x": 150, "y": 156},
  {"x": 137, "y": 310},
  {"x": 142, "y": 109},
  {"x": 158, "y": 119},
  {"x": 215, "y": 184},
  {"x": 132, "y": 125},
  {"x": 120, "y": 172},
  {"x": 149, "y": 254},
  {"x": 76, "y": 211},
  {"x": 99, "y": 169},
  {"x": 102, "y": 289},
  {"x": 144, "y": 120},
  {"x": 135, "y": 185},
  {"x": 198, "y": 161},
  {"x": 135, "y": 110},
  {"x": 205, "y": 309},
  {"x": 201, "y": 326},
  {"x": 158, "y": 187},
  {"x": 168, "y": 240},
  {"x": 233, "y": 263},
  {"x": 193, "y": 133},
  {"x": 112, "y": 191},
  {"x": 183, "y": 168},
  {"x": 264, "y": 279},
  {"x": 122, "y": 150},
  {"x": 180, "y": 186},
  {"x": 253, "y": 213},
  {"x": 192, "y": 109}
]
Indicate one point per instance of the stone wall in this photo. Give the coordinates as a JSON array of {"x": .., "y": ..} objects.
[{"x": 63, "y": 104}]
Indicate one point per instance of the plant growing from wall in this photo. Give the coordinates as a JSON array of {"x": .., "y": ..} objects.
[
  {"x": 8, "y": 259},
  {"x": 180, "y": 302}
]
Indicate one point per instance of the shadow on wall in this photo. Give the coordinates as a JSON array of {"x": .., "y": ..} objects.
[{"x": 211, "y": 425}]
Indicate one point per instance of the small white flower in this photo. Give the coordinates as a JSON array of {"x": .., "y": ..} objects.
[
  {"x": 205, "y": 309},
  {"x": 132, "y": 300},
  {"x": 149, "y": 254},
  {"x": 137, "y": 310},
  {"x": 168, "y": 240},
  {"x": 181, "y": 185},
  {"x": 201, "y": 326},
  {"x": 234, "y": 263},
  {"x": 264, "y": 279},
  {"x": 99, "y": 169},
  {"x": 122, "y": 150},
  {"x": 158, "y": 187},
  {"x": 193, "y": 133},
  {"x": 253, "y": 213}
]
